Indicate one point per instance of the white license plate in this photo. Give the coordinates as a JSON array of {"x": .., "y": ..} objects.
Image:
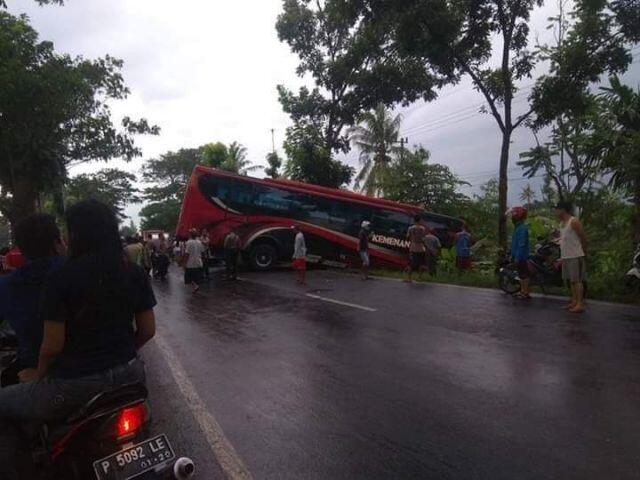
[{"x": 133, "y": 461}]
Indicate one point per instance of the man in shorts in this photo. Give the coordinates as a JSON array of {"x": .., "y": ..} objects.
[
  {"x": 417, "y": 248},
  {"x": 363, "y": 248},
  {"x": 299, "y": 255},
  {"x": 192, "y": 261},
  {"x": 573, "y": 252}
]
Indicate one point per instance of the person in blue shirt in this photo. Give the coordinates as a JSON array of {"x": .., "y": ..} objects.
[
  {"x": 463, "y": 249},
  {"x": 520, "y": 249},
  {"x": 38, "y": 238}
]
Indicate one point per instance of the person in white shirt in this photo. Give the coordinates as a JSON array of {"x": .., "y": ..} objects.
[
  {"x": 299, "y": 255},
  {"x": 192, "y": 261},
  {"x": 573, "y": 250}
]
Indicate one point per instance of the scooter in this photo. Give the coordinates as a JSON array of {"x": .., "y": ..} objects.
[
  {"x": 545, "y": 269},
  {"x": 106, "y": 439},
  {"x": 632, "y": 278}
]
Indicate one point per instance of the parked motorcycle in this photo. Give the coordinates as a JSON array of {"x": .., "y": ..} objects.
[
  {"x": 545, "y": 269},
  {"x": 632, "y": 278},
  {"x": 106, "y": 439}
]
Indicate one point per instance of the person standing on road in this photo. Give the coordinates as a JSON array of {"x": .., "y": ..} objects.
[
  {"x": 134, "y": 251},
  {"x": 231, "y": 252},
  {"x": 192, "y": 261},
  {"x": 520, "y": 249},
  {"x": 463, "y": 249},
  {"x": 433, "y": 251},
  {"x": 417, "y": 248},
  {"x": 206, "y": 254},
  {"x": 299, "y": 255},
  {"x": 363, "y": 248},
  {"x": 573, "y": 251}
]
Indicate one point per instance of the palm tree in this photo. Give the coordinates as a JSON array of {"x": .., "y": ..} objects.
[
  {"x": 528, "y": 195},
  {"x": 237, "y": 161},
  {"x": 376, "y": 137}
]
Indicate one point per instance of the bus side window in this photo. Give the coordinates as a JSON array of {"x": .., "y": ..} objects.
[
  {"x": 390, "y": 222},
  {"x": 236, "y": 194}
]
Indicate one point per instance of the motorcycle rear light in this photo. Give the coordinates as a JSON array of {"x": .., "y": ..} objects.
[{"x": 130, "y": 420}]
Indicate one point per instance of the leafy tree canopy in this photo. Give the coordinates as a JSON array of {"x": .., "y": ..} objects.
[
  {"x": 160, "y": 215},
  {"x": 55, "y": 111},
  {"x": 237, "y": 161},
  {"x": 111, "y": 186},
  {"x": 275, "y": 163},
  {"x": 376, "y": 137},
  {"x": 214, "y": 154},
  {"x": 413, "y": 180},
  {"x": 350, "y": 64},
  {"x": 308, "y": 161}
]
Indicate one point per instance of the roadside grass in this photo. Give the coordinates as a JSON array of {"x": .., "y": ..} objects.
[{"x": 601, "y": 288}]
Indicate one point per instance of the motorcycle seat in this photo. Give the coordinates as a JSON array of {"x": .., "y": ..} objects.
[{"x": 105, "y": 402}]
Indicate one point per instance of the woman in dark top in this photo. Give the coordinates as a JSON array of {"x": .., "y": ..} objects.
[{"x": 89, "y": 345}]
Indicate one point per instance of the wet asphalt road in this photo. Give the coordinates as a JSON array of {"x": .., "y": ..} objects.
[{"x": 410, "y": 381}]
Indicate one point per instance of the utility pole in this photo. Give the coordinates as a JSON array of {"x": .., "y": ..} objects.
[
  {"x": 403, "y": 141},
  {"x": 273, "y": 140}
]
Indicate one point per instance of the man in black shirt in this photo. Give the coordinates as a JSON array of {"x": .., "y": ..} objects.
[{"x": 363, "y": 248}]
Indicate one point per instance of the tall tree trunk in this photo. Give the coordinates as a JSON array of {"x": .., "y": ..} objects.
[
  {"x": 23, "y": 203},
  {"x": 636, "y": 213},
  {"x": 503, "y": 188}
]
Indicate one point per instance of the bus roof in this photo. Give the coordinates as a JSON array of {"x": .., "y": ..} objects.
[{"x": 320, "y": 190}]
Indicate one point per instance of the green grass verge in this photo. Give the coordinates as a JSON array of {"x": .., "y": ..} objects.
[{"x": 600, "y": 288}]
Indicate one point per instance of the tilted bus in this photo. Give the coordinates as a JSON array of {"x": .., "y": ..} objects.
[{"x": 262, "y": 212}]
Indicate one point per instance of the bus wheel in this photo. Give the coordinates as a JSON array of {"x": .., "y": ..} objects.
[{"x": 263, "y": 257}]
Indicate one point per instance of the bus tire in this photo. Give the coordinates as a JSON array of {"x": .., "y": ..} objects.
[{"x": 263, "y": 257}]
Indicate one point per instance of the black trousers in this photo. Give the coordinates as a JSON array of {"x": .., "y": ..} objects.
[{"x": 231, "y": 263}]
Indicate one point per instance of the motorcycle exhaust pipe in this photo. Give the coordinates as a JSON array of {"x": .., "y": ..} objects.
[{"x": 184, "y": 468}]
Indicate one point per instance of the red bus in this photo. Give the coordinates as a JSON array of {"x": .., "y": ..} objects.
[{"x": 263, "y": 211}]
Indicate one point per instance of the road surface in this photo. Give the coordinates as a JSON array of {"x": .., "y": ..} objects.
[{"x": 345, "y": 379}]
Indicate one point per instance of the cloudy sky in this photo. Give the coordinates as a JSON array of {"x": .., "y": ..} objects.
[{"x": 207, "y": 70}]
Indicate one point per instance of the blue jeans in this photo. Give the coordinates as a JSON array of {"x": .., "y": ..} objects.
[{"x": 50, "y": 400}]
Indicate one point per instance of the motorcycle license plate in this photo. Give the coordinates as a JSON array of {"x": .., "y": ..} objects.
[{"x": 133, "y": 461}]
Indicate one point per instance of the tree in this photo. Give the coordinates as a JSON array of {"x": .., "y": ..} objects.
[
  {"x": 622, "y": 139},
  {"x": 483, "y": 209},
  {"x": 55, "y": 112},
  {"x": 456, "y": 38},
  {"x": 351, "y": 68},
  {"x": 128, "y": 230},
  {"x": 598, "y": 42},
  {"x": 412, "y": 179},
  {"x": 167, "y": 177},
  {"x": 275, "y": 163},
  {"x": 214, "y": 154},
  {"x": 160, "y": 215},
  {"x": 376, "y": 138},
  {"x": 237, "y": 161},
  {"x": 572, "y": 157},
  {"x": 307, "y": 161},
  {"x": 528, "y": 195},
  {"x": 110, "y": 185}
]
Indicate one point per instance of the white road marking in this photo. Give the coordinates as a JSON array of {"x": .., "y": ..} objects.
[
  {"x": 227, "y": 457},
  {"x": 338, "y": 302}
]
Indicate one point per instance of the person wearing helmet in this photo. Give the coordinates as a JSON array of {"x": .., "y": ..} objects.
[
  {"x": 520, "y": 249},
  {"x": 363, "y": 248}
]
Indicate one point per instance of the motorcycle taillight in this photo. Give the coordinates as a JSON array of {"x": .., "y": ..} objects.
[{"x": 130, "y": 420}]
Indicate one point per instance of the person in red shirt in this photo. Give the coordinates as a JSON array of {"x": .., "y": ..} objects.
[{"x": 14, "y": 259}]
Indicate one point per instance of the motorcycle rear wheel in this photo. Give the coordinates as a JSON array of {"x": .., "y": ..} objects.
[{"x": 508, "y": 283}]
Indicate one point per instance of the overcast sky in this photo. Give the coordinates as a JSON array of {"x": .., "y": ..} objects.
[{"x": 207, "y": 70}]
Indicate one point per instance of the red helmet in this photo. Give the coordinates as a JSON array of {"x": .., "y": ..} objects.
[{"x": 519, "y": 213}]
